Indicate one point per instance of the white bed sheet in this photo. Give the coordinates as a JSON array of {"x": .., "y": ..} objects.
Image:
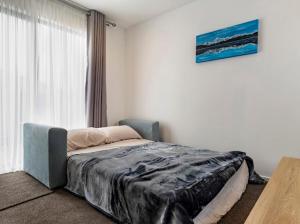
[
  {"x": 129, "y": 142},
  {"x": 218, "y": 207}
]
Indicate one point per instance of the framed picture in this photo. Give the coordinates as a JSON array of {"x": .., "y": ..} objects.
[{"x": 229, "y": 42}]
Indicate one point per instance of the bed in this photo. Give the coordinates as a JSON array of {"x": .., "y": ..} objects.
[{"x": 142, "y": 180}]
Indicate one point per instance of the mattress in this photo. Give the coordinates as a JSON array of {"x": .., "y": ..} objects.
[
  {"x": 226, "y": 198},
  {"x": 218, "y": 207},
  {"x": 129, "y": 142}
]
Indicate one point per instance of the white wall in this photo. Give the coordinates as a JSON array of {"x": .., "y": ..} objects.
[
  {"x": 249, "y": 103},
  {"x": 115, "y": 74}
]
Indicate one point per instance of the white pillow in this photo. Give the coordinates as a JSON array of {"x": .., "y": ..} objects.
[
  {"x": 84, "y": 138},
  {"x": 119, "y": 133}
]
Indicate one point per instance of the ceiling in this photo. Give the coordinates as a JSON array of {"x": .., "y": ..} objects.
[{"x": 130, "y": 12}]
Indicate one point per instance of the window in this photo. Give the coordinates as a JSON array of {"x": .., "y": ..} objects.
[{"x": 42, "y": 71}]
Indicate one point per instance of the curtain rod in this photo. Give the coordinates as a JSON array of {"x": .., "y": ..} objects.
[{"x": 86, "y": 10}]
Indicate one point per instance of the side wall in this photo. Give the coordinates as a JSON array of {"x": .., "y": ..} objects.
[{"x": 249, "y": 103}]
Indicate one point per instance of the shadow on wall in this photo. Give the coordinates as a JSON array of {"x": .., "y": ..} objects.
[{"x": 165, "y": 132}]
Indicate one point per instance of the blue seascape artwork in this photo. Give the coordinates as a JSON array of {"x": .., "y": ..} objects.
[{"x": 233, "y": 41}]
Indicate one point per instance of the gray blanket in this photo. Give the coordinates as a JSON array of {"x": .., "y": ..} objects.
[{"x": 156, "y": 183}]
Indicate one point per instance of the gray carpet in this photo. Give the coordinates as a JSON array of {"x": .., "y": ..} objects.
[
  {"x": 19, "y": 187},
  {"x": 61, "y": 207},
  {"x": 240, "y": 211}
]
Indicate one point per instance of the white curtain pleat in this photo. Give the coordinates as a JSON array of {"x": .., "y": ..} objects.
[{"x": 42, "y": 71}]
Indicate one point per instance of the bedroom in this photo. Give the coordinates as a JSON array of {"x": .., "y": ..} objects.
[{"x": 88, "y": 63}]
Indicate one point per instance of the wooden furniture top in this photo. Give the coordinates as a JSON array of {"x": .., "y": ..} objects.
[{"x": 279, "y": 203}]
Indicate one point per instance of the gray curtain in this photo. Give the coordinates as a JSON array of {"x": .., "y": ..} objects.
[{"x": 96, "y": 109}]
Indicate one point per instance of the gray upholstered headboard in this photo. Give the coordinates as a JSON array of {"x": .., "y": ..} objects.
[
  {"x": 45, "y": 149},
  {"x": 147, "y": 129}
]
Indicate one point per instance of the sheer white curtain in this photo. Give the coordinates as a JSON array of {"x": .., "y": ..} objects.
[{"x": 42, "y": 71}]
